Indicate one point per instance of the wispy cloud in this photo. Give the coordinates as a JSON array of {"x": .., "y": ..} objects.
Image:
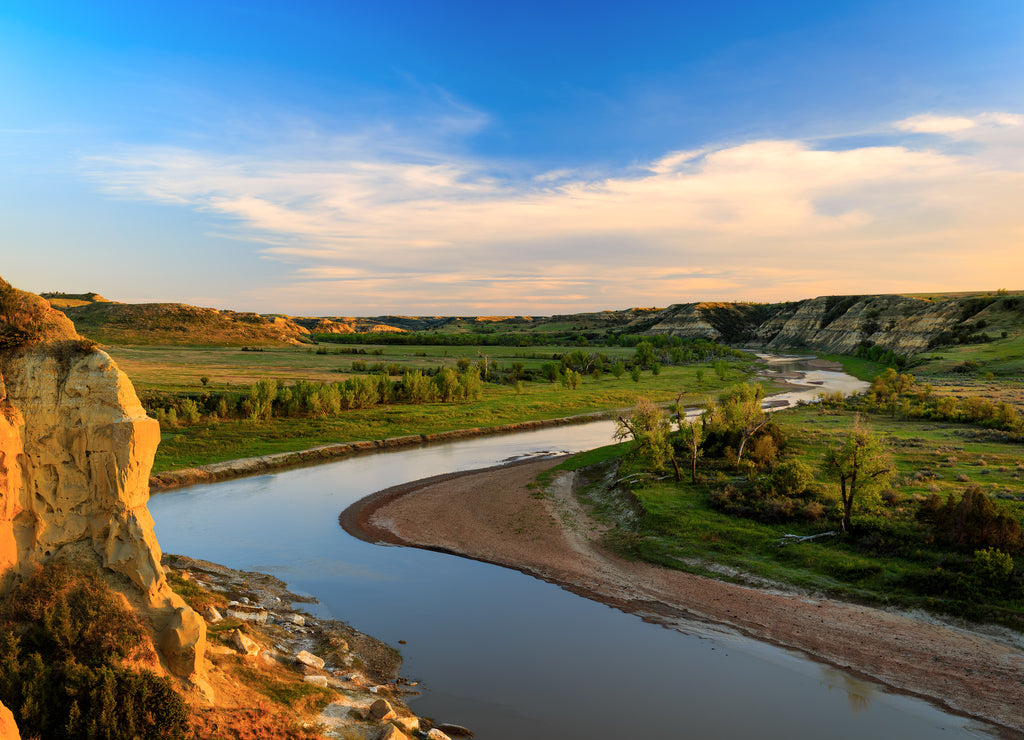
[{"x": 366, "y": 225}]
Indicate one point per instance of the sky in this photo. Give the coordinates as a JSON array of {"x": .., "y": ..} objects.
[{"x": 458, "y": 157}]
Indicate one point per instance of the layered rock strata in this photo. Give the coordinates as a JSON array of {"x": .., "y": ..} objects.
[
  {"x": 76, "y": 449},
  {"x": 839, "y": 324}
]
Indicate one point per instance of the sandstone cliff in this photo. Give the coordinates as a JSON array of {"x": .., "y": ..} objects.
[
  {"x": 902, "y": 324},
  {"x": 76, "y": 449}
]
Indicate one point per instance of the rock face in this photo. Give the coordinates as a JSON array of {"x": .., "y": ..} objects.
[
  {"x": 8, "y": 729},
  {"x": 76, "y": 449},
  {"x": 838, "y": 324}
]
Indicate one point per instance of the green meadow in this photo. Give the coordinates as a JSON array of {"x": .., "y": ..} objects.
[{"x": 167, "y": 375}]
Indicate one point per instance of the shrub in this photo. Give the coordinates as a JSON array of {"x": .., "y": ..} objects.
[
  {"x": 976, "y": 522},
  {"x": 792, "y": 477},
  {"x": 992, "y": 566},
  {"x": 61, "y": 672}
]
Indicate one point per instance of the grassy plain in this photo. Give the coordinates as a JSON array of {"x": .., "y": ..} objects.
[{"x": 179, "y": 369}]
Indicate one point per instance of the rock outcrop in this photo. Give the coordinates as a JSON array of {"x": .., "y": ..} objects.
[
  {"x": 840, "y": 324},
  {"x": 76, "y": 449},
  {"x": 8, "y": 728}
]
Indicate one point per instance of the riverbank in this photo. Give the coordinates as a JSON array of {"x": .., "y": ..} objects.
[
  {"x": 493, "y": 515},
  {"x": 277, "y": 671},
  {"x": 230, "y": 469},
  {"x": 240, "y": 468}
]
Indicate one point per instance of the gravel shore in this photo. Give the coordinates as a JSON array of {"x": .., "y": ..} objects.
[{"x": 493, "y": 515}]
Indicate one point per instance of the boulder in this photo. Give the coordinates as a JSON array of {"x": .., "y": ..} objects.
[
  {"x": 244, "y": 644},
  {"x": 408, "y": 725},
  {"x": 247, "y": 613},
  {"x": 390, "y": 732},
  {"x": 382, "y": 710},
  {"x": 307, "y": 658},
  {"x": 212, "y": 615},
  {"x": 316, "y": 680},
  {"x": 453, "y": 731},
  {"x": 183, "y": 644},
  {"x": 435, "y": 734}
]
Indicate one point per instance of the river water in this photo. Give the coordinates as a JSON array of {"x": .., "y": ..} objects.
[{"x": 508, "y": 655}]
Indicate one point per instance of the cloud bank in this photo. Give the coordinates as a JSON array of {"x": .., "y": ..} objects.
[{"x": 360, "y": 225}]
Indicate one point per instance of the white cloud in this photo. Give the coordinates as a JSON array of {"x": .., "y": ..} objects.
[
  {"x": 366, "y": 227},
  {"x": 932, "y": 124}
]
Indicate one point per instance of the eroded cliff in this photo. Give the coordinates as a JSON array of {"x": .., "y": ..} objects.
[
  {"x": 76, "y": 449},
  {"x": 840, "y": 324}
]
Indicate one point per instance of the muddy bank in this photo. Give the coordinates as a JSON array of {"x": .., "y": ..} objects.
[{"x": 492, "y": 516}]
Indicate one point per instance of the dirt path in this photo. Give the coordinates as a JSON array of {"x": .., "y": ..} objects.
[{"x": 493, "y": 515}]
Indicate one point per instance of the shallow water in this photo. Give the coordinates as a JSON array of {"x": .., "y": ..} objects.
[{"x": 508, "y": 655}]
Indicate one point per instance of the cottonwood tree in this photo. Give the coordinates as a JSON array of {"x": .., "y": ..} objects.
[
  {"x": 889, "y": 386},
  {"x": 860, "y": 466},
  {"x": 649, "y": 427},
  {"x": 737, "y": 411},
  {"x": 691, "y": 435}
]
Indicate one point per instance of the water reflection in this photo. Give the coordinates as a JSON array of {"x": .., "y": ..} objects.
[{"x": 858, "y": 691}]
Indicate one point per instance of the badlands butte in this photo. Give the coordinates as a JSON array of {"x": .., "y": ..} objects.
[{"x": 77, "y": 449}]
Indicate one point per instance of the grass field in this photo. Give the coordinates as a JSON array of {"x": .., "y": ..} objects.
[{"x": 178, "y": 369}]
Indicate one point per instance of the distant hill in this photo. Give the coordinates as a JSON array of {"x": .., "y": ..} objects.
[
  {"x": 69, "y": 300},
  {"x": 176, "y": 323},
  {"x": 902, "y": 324}
]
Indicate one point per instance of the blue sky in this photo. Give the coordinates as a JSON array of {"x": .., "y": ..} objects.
[{"x": 335, "y": 158}]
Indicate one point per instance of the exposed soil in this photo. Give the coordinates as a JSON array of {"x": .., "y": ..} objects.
[{"x": 493, "y": 515}]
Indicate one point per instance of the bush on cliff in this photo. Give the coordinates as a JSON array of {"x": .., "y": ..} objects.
[{"x": 66, "y": 638}]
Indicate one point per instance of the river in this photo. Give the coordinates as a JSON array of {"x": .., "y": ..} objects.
[{"x": 508, "y": 655}]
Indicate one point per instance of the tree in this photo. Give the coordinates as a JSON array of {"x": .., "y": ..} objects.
[
  {"x": 262, "y": 395},
  {"x": 859, "y": 465},
  {"x": 649, "y": 428},
  {"x": 889, "y": 386},
  {"x": 738, "y": 411},
  {"x": 643, "y": 356},
  {"x": 691, "y": 434}
]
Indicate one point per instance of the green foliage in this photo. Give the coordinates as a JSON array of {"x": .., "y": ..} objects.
[
  {"x": 736, "y": 417},
  {"x": 643, "y": 356},
  {"x": 648, "y": 426},
  {"x": 262, "y": 394},
  {"x": 992, "y": 566},
  {"x": 792, "y": 477},
  {"x": 690, "y": 436},
  {"x": 65, "y": 637},
  {"x": 860, "y": 466},
  {"x": 902, "y": 396},
  {"x": 975, "y": 522}
]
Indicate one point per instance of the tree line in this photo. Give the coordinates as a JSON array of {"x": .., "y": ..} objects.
[{"x": 271, "y": 398}]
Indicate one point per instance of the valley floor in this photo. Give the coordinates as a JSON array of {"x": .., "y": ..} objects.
[{"x": 494, "y": 516}]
